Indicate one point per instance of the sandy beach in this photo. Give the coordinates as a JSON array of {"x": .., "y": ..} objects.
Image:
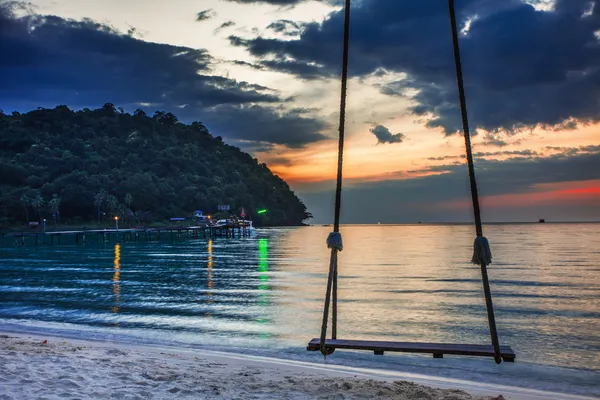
[{"x": 52, "y": 367}]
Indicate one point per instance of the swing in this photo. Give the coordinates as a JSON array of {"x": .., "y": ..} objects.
[{"x": 482, "y": 254}]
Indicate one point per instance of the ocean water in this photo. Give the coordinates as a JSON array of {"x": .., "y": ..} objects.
[{"x": 264, "y": 295}]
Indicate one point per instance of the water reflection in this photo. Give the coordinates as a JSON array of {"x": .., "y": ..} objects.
[
  {"x": 209, "y": 281},
  {"x": 263, "y": 287},
  {"x": 117, "y": 279},
  {"x": 391, "y": 288}
]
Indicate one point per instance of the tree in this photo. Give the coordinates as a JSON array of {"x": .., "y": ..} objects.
[
  {"x": 99, "y": 200},
  {"x": 54, "y": 206},
  {"x": 121, "y": 211},
  {"x": 111, "y": 203},
  {"x": 128, "y": 200},
  {"x": 26, "y": 201},
  {"x": 168, "y": 167},
  {"x": 38, "y": 203}
]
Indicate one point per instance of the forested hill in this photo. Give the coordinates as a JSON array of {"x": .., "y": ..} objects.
[{"x": 80, "y": 165}]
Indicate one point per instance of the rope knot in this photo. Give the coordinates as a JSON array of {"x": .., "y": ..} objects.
[
  {"x": 334, "y": 241},
  {"x": 481, "y": 251}
]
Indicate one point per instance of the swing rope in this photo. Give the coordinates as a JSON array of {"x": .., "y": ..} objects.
[
  {"x": 334, "y": 241},
  {"x": 482, "y": 254}
]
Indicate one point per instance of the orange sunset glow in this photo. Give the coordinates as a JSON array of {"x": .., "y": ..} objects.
[{"x": 563, "y": 193}]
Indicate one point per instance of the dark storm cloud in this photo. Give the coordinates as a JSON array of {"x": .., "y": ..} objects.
[
  {"x": 522, "y": 67},
  {"x": 384, "y": 135},
  {"x": 424, "y": 198},
  {"x": 205, "y": 15},
  {"x": 49, "y": 60}
]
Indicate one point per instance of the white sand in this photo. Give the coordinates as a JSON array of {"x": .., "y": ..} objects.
[{"x": 60, "y": 368}]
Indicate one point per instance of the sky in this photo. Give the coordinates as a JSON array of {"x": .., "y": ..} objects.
[{"x": 265, "y": 76}]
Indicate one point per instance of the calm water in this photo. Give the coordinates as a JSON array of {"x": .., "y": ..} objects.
[{"x": 264, "y": 295}]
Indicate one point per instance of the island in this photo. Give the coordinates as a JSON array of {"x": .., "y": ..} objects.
[{"x": 90, "y": 166}]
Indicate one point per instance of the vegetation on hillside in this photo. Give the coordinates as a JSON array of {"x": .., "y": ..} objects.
[{"x": 92, "y": 165}]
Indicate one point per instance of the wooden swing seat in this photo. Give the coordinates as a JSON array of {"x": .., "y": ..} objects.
[{"x": 437, "y": 349}]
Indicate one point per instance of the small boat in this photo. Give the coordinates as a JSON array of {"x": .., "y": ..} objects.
[
  {"x": 542, "y": 220},
  {"x": 234, "y": 223}
]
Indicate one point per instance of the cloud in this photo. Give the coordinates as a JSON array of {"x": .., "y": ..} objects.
[
  {"x": 277, "y": 160},
  {"x": 303, "y": 70},
  {"x": 291, "y": 129},
  {"x": 427, "y": 198},
  {"x": 514, "y": 79},
  {"x": 205, "y": 15},
  {"x": 493, "y": 140},
  {"x": 570, "y": 151},
  {"x": 286, "y": 27},
  {"x": 384, "y": 135},
  {"x": 257, "y": 67},
  {"x": 273, "y": 2},
  {"x": 86, "y": 64},
  {"x": 224, "y": 25},
  {"x": 444, "y": 158},
  {"x": 505, "y": 153}
]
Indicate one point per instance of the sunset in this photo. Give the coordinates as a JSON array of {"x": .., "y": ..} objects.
[
  {"x": 300, "y": 199},
  {"x": 280, "y": 63}
]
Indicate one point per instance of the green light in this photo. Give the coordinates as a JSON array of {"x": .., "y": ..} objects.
[
  {"x": 263, "y": 260},
  {"x": 263, "y": 276},
  {"x": 261, "y": 211}
]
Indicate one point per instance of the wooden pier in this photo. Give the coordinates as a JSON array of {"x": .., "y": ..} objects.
[{"x": 119, "y": 235}]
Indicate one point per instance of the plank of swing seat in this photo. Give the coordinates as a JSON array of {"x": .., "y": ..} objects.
[{"x": 437, "y": 349}]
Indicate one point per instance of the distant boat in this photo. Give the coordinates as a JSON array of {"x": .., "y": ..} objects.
[{"x": 542, "y": 220}]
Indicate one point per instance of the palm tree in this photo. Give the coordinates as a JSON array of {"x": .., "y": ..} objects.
[
  {"x": 128, "y": 200},
  {"x": 121, "y": 209},
  {"x": 26, "y": 200},
  {"x": 54, "y": 205},
  {"x": 111, "y": 202},
  {"x": 99, "y": 200},
  {"x": 38, "y": 202}
]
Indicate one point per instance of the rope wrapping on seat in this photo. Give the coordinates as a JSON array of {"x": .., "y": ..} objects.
[
  {"x": 482, "y": 254},
  {"x": 334, "y": 241}
]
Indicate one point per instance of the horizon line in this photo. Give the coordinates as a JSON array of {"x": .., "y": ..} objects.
[{"x": 460, "y": 223}]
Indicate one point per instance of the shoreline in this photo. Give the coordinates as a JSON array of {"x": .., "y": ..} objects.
[{"x": 88, "y": 368}]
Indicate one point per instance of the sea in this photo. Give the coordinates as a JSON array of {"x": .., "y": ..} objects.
[{"x": 264, "y": 296}]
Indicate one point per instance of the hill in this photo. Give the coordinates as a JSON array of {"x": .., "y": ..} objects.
[{"x": 90, "y": 165}]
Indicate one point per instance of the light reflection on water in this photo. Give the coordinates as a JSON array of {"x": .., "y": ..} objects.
[
  {"x": 116, "y": 278},
  {"x": 409, "y": 283}
]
